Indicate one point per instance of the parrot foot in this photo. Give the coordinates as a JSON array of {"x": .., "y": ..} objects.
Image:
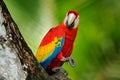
[
  {"x": 60, "y": 70},
  {"x": 57, "y": 69},
  {"x": 60, "y": 74},
  {"x": 70, "y": 60}
]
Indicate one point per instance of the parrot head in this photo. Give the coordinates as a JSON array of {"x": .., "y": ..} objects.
[{"x": 72, "y": 19}]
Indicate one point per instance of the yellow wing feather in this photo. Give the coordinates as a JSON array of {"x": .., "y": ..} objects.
[{"x": 45, "y": 51}]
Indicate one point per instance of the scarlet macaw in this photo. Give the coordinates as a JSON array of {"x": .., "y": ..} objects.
[{"x": 57, "y": 45}]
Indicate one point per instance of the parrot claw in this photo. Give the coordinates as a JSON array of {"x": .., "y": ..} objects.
[
  {"x": 60, "y": 69},
  {"x": 60, "y": 75},
  {"x": 70, "y": 60},
  {"x": 57, "y": 69}
]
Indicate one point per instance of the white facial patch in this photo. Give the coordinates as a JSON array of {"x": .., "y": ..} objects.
[
  {"x": 65, "y": 19},
  {"x": 76, "y": 22}
]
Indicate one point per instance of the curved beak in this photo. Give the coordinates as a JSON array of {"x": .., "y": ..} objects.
[{"x": 71, "y": 18}]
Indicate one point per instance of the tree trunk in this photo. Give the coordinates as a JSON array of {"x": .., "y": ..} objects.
[{"x": 17, "y": 61}]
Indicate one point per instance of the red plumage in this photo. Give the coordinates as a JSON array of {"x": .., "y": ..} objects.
[
  {"x": 52, "y": 33},
  {"x": 66, "y": 51},
  {"x": 67, "y": 30}
]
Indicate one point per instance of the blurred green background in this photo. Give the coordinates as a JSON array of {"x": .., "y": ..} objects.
[{"x": 97, "y": 46}]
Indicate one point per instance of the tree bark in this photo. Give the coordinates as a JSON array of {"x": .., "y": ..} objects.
[{"x": 17, "y": 61}]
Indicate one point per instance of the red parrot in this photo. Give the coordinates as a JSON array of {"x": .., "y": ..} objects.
[{"x": 57, "y": 45}]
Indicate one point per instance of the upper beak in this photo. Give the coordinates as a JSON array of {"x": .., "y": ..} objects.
[{"x": 71, "y": 18}]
